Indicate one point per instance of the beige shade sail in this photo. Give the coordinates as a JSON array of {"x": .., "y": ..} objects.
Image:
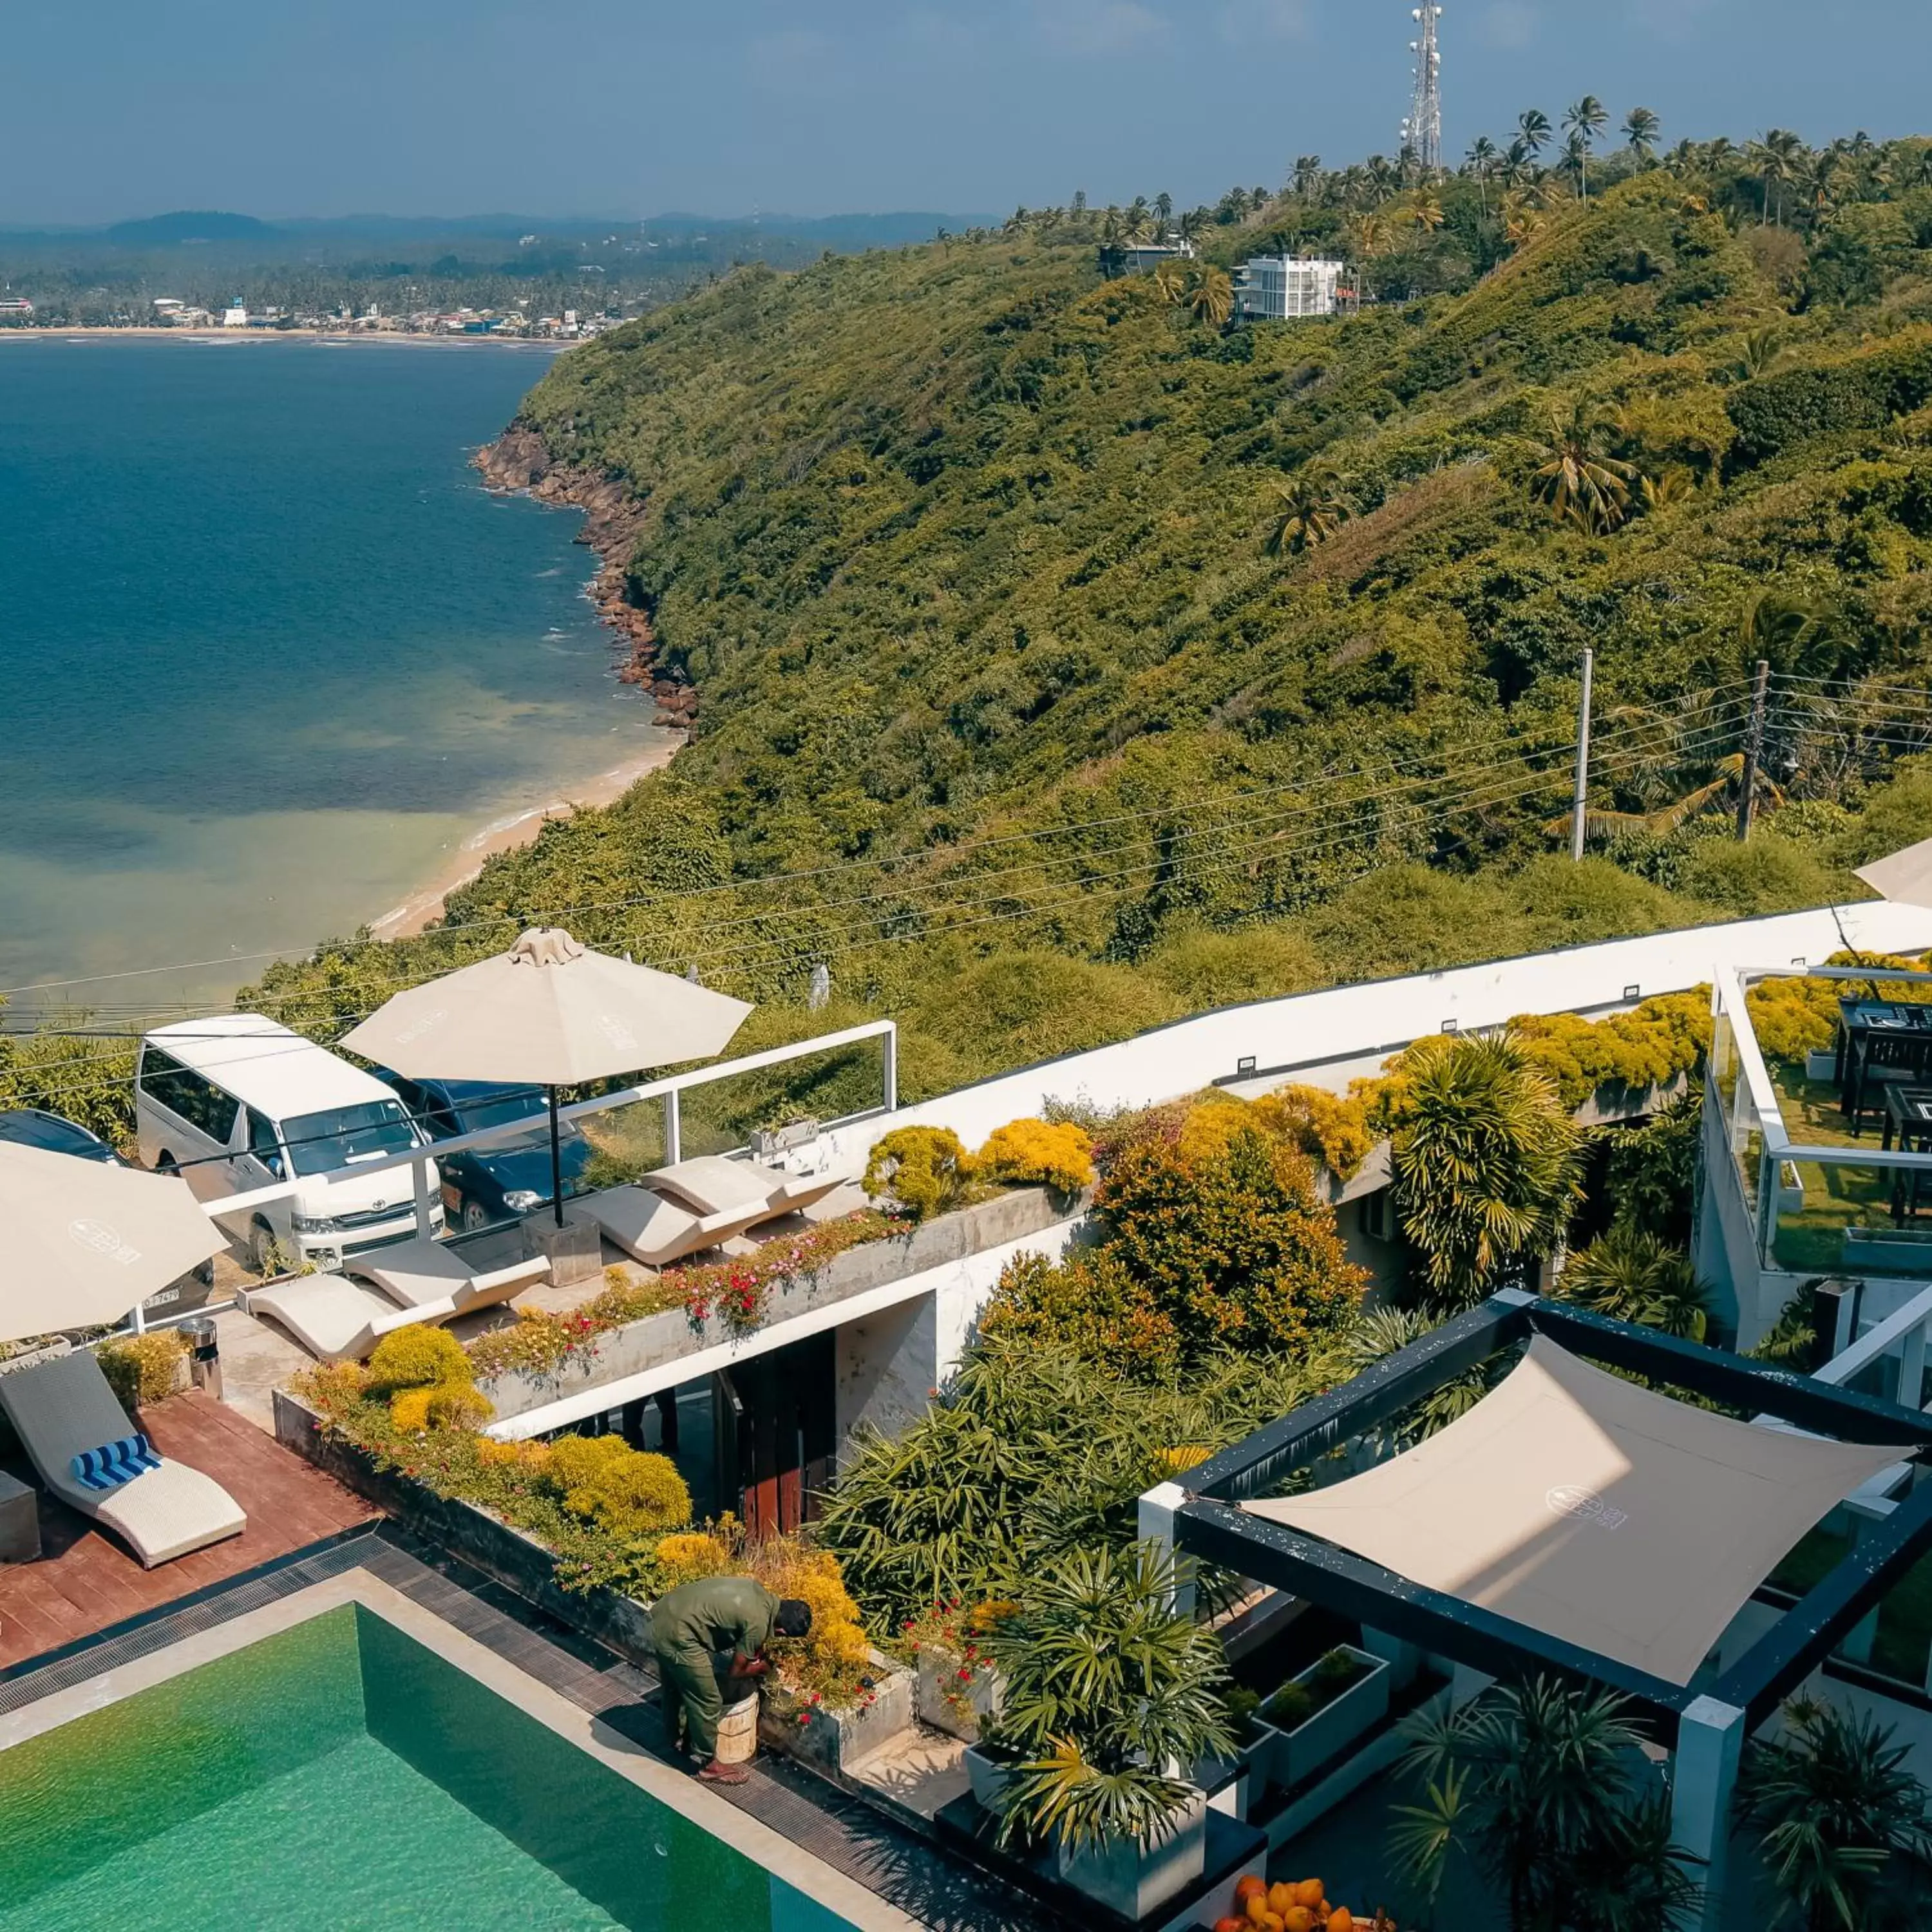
[
  {"x": 549, "y": 1013},
  {"x": 83, "y": 1242},
  {"x": 1592, "y": 1510},
  {"x": 1904, "y": 877}
]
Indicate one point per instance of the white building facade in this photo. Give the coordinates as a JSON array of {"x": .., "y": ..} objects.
[{"x": 1280, "y": 288}]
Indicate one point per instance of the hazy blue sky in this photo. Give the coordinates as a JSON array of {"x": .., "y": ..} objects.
[{"x": 110, "y": 108}]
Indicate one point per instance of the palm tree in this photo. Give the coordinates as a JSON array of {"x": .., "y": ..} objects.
[
  {"x": 1586, "y": 120},
  {"x": 1312, "y": 507},
  {"x": 1368, "y": 235},
  {"x": 1778, "y": 157},
  {"x": 1423, "y": 208},
  {"x": 1169, "y": 283},
  {"x": 1583, "y": 483},
  {"x": 1482, "y": 162},
  {"x": 1487, "y": 1161},
  {"x": 1535, "y": 1782},
  {"x": 1535, "y": 126},
  {"x": 1833, "y": 1803},
  {"x": 1665, "y": 492},
  {"x": 1641, "y": 128},
  {"x": 1211, "y": 296},
  {"x": 1633, "y": 1276},
  {"x": 1307, "y": 174},
  {"x": 1521, "y": 217},
  {"x": 1762, "y": 349},
  {"x": 1163, "y": 210}
]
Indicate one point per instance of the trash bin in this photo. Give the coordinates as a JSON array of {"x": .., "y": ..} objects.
[{"x": 204, "y": 1355}]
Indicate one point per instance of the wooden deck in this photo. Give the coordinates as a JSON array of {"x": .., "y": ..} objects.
[{"x": 87, "y": 1581}]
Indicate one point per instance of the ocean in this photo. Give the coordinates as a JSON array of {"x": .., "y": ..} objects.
[{"x": 269, "y": 654}]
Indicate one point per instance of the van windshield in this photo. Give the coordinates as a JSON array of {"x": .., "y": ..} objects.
[{"x": 339, "y": 1136}]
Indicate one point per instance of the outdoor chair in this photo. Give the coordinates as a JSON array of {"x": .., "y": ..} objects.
[
  {"x": 656, "y": 1231},
  {"x": 62, "y": 1409},
  {"x": 711, "y": 1183},
  {"x": 423, "y": 1273},
  {"x": 336, "y": 1319}
]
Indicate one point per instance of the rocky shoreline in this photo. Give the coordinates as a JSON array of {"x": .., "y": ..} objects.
[{"x": 521, "y": 460}]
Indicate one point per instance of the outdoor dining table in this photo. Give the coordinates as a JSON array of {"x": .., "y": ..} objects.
[
  {"x": 1908, "y": 1122},
  {"x": 1879, "y": 1032}
]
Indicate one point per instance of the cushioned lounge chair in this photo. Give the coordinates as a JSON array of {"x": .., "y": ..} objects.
[
  {"x": 423, "y": 1273},
  {"x": 335, "y": 1318},
  {"x": 656, "y": 1231},
  {"x": 60, "y": 1409},
  {"x": 711, "y": 1183}
]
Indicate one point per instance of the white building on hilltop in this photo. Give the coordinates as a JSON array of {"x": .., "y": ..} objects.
[
  {"x": 1278, "y": 288},
  {"x": 236, "y": 315}
]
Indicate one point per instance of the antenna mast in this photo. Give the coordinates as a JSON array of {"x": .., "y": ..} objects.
[{"x": 1422, "y": 132}]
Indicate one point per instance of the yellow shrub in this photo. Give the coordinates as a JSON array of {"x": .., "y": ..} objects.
[
  {"x": 495, "y": 1455},
  {"x": 1025, "y": 1152},
  {"x": 688, "y": 1555},
  {"x": 628, "y": 1489},
  {"x": 417, "y": 1357},
  {"x": 143, "y": 1369},
  {"x": 1212, "y": 1125},
  {"x": 925, "y": 1169},
  {"x": 409, "y": 1409},
  {"x": 1326, "y": 1126},
  {"x": 838, "y": 1645},
  {"x": 334, "y": 1386},
  {"x": 458, "y": 1405}
]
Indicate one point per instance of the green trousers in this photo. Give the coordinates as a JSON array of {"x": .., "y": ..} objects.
[{"x": 692, "y": 1705}]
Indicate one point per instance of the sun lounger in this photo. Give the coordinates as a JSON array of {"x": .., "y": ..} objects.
[
  {"x": 711, "y": 1183},
  {"x": 656, "y": 1231},
  {"x": 421, "y": 1273},
  {"x": 335, "y": 1318},
  {"x": 61, "y": 1409}
]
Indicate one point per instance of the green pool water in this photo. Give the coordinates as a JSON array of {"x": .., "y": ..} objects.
[{"x": 340, "y": 1774}]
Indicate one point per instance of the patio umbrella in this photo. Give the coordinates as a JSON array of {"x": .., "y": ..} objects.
[
  {"x": 83, "y": 1241},
  {"x": 1905, "y": 878},
  {"x": 549, "y": 1013}
]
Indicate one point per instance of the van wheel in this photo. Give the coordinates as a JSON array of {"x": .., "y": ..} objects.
[
  {"x": 262, "y": 1249},
  {"x": 475, "y": 1217}
]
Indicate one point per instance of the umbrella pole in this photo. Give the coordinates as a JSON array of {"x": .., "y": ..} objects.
[{"x": 555, "y": 1160}]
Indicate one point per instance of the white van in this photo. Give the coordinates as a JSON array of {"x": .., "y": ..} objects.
[{"x": 236, "y": 1101}]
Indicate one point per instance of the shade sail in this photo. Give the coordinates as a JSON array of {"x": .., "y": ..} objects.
[
  {"x": 1592, "y": 1510},
  {"x": 550, "y": 1013},
  {"x": 1904, "y": 877},
  {"x": 84, "y": 1241}
]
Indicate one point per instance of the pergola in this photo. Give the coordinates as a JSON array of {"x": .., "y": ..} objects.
[{"x": 1519, "y": 1552}]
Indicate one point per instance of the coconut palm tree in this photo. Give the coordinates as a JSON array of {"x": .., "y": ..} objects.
[
  {"x": 1535, "y": 126},
  {"x": 1163, "y": 210},
  {"x": 1487, "y": 1163},
  {"x": 1521, "y": 217},
  {"x": 1762, "y": 348},
  {"x": 1584, "y": 120},
  {"x": 1211, "y": 296},
  {"x": 1368, "y": 235},
  {"x": 1483, "y": 156},
  {"x": 1580, "y": 479},
  {"x": 1422, "y": 209},
  {"x": 1665, "y": 492},
  {"x": 1310, "y": 508},
  {"x": 1307, "y": 175},
  {"x": 1833, "y": 1807},
  {"x": 1633, "y": 1276},
  {"x": 1641, "y": 128},
  {"x": 1169, "y": 283}
]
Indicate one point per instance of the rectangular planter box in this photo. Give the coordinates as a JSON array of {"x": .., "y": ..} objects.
[
  {"x": 1293, "y": 1754},
  {"x": 832, "y": 1740},
  {"x": 938, "y": 1676},
  {"x": 660, "y": 1340},
  {"x": 1136, "y": 1880},
  {"x": 1821, "y": 1063},
  {"x": 988, "y": 1778}
]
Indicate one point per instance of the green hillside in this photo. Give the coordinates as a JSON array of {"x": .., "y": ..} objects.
[{"x": 967, "y": 551}]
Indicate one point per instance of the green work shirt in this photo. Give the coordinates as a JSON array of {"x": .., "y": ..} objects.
[{"x": 716, "y": 1613}]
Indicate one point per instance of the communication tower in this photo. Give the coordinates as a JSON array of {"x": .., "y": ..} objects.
[{"x": 1422, "y": 132}]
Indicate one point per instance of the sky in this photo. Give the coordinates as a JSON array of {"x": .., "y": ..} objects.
[{"x": 121, "y": 108}]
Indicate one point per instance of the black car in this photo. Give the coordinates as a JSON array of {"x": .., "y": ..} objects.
[
  {"x": 508, "y": 1177},
  {"x": 30, "y": 1126}
]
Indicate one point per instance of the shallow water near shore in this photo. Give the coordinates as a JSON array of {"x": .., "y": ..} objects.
[{"x": 270, "y": 654}]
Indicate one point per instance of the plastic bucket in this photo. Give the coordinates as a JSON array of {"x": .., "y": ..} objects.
[{"x": 738, "y": 1732}]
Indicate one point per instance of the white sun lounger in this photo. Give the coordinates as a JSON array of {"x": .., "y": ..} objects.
[
  {"x": 422, "y": 1273},
  {"x": 710, "y": 1183},
  {"x": 335, "y": 1318},
  {"x": 656, "y": 1231},
  {"x": 60, "y": 1408}
]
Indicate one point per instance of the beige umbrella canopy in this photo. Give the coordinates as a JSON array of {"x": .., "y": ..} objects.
[
  {"x": 550, "y": 1013},
  {"x": 83, "y": 1242},
  {"x": 1905, "y": 878}
]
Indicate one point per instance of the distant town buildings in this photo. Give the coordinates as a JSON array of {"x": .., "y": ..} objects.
[
  {"x": 15, "y": 305},
  {"x": 1280, "y": 288},
  {"x": 1136, "y": 258},
  {"x": 236, "y": 315}
]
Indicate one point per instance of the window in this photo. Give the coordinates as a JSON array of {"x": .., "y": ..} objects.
[
  {"x": 186, "y": 1094},
  {"x": 264, "y": 1143},
  {"x": 341, "y": 1136}
]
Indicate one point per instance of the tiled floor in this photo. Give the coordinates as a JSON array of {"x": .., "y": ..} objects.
[
  {"x": 86, "y": 1581},
  {"x": 895, "y": 1862}
]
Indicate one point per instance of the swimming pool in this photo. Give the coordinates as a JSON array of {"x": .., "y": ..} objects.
[{"x": 338, "y": 1772}]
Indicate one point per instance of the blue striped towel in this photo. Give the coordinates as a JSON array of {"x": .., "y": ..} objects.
[{"x": 114, "y": 1463}]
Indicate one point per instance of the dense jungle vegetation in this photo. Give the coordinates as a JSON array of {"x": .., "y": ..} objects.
[{"x": 1072, "y": 655}]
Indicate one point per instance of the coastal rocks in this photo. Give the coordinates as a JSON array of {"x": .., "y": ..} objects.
[{"x": 613, "y": 516}]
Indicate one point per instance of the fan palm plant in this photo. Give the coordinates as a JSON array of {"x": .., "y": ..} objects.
[
  {"x": 1308, "y": 510},
  {"x": 1632, "y": 1275},
  {"x": 1577, "y": 476},
  {"x": 1834, "y": 1810},
  {"x": 1487, "y": 1163}
]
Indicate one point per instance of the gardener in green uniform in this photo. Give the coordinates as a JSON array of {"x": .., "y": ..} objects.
[{"x": 690, "y": 1626}]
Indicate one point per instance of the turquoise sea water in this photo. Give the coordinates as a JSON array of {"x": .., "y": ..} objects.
[
  {"x": 269, "y": 652},
  {"x": 340, "y": 1774}
]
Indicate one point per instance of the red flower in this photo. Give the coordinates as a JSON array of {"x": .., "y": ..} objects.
[{"x": 965, "y": 1676}]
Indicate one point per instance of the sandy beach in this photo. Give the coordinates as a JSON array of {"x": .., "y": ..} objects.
[
  {"x": 505, "y": 834},
  {"x": 81, "y": 332}
]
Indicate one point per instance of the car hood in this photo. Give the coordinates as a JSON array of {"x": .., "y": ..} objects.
[
  {"x": 515, "y": 1164},
  {"x": 360, "y": 1194}
]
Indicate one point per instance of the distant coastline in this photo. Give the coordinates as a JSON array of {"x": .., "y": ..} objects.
[{"x": 532, "y": 345}]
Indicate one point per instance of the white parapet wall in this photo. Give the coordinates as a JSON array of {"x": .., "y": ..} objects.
[{"x": 1326, "y": 1039}]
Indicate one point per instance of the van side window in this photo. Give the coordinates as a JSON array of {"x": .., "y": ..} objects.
[
  {"x": 264, "y": 1143},
  {"x": 199, "y": 1102}
]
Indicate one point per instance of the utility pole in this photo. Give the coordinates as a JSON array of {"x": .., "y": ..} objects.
[
  {"x": 1580, "y": 799},
  {"x": 1754, "y": 750}
]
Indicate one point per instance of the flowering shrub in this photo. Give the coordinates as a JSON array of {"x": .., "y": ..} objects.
[
  {"x": 1792, "y": 1017},
  {"x": 832, "y": 1667},
  {"x": 1328, "y": 1127},
  {"x": 1649, "y": 1046},
  {"x": 416, "y": 1357},
  {"x": 629, "y": 1491},
  {"x": 739, "y": 1290},
  {"x": 141, "y": 1369},
  {"x": 925, "y": 1170},
  {"x": 537, "y": 1343},
  {"x": 1032, "y": 1152},
  {"x": 953, "y": 1637},
  {"x": 689, "y": 1554}
]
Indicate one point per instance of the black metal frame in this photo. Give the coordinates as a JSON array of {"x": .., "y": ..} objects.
[{"x": 1211, "y": 1526}]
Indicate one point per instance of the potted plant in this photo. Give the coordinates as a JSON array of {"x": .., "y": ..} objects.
[
  {"x": 1245, "y": 1766},
  {"x": 1109, "y": 1697},
  {"x": 1321, "y": 1712},
  {"x": 958, "y": 1688}
]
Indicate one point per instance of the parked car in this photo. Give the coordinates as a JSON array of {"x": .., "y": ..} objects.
[
  {"x": 31, "y": 1126},
  {"x": 482, "y": 1185},
  {"x": 237, "y": 1102}
]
